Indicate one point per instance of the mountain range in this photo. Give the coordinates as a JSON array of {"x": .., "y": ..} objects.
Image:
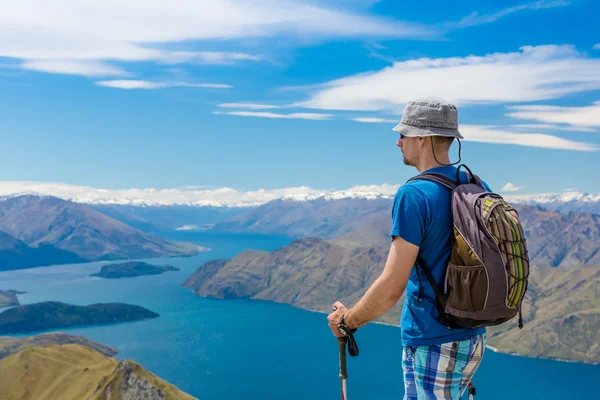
[
  {"x": 154, "y": 218},
  {"x": 561, "y": 309},
  {"x": 38, "y": 231}
]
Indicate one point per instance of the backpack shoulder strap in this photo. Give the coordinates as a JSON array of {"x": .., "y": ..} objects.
[{"x": 436, "y": 177}]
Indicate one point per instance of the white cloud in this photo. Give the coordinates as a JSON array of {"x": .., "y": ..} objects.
[
  {"x": 553, "y": 127},
  {"x": 206, "y": 57},
  {"x": 534, "y": 73},
  {"x": 485, "y": 134},
  {"x": 575, "y": 116},
  {"x": 509, "y": 187},
  {"x": 374, "y": 120},
  {"x": 138, "y": 84},
  {"x": 475, "y": 19},
  {"x": 597, "y": 46},
  {"x": 76, "y": 67},
  {"x": 68, "y": 31},
  {"x": 187, "y": 196},
  {"x": 251, "y": 106},
  {"x": 312, "y": 116}
]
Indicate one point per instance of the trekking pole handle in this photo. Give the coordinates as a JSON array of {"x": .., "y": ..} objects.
[{"x": 342, "y": 345}]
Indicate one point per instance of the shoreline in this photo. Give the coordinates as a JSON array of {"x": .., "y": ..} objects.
[{"x": 487, "y": 346}]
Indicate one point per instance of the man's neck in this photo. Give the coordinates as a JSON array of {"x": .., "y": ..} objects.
[{"x": 430, "y": 162}]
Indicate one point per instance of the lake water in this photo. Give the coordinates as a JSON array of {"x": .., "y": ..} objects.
[{"x": 257, "y": 350}]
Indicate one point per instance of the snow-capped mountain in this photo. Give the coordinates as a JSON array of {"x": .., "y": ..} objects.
[{"x": 564, "y": 202}]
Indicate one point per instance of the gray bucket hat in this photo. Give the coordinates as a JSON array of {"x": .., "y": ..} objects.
[{"x": 429, "y": 117}]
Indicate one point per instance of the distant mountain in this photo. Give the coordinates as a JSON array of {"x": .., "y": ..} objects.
[
  {"x": 153, "y": 218},
  {"x": 309, "y": 273},
  {"x": 50, "y": 223},
  {"x": 131, "y": 269},
  {"x": 561, "y": 239},
  {"x": 75, "y": 372},
  {"x": 321, "y": 217},
  {"x": 55, "y": 315},
  {"x": 562, "y": 316},
  {"x": 554, "y": 238},
  {"x": 13, "y": 345},
  {"x": 15, "y": 254},
  {"x": 563, "y": 202}
]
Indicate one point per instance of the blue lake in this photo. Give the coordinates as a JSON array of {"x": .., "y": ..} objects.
[{"x": 230, "y": 349}]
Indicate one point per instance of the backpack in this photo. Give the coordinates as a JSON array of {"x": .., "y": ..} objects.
[{"x": 488, "y": 269}]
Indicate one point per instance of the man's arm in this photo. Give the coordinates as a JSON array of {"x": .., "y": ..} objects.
[{"x": 385, "y": 292}]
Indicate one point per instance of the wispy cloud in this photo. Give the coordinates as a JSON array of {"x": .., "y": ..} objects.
[
  {"x": 476, "y": 19},
  {"x": 74, "y": 67},
  {"x": 207, "y": 57},
  {"x": 552, "y": 127},
  {"x": 585, "y": 117},
  {"x": 509, "y": 187},
  {"x": 250, "y": 106},
  {"x": 70, "y": 35},
  {"x": 597, "y": 46},
  {"x": 485, "y": 134},
  {"x": 534, "y": 73},
  {"x": 258, "y": 114},
  {"x": 374, "y": 120},
  {"x": 138, "y": 84}
]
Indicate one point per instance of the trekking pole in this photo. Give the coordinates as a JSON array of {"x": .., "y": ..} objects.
[
  {"x": 343, "y": 371},
  {"x": 472, "y": 391}
]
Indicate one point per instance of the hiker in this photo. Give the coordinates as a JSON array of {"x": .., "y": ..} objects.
[{"x": 438, "y": 362}]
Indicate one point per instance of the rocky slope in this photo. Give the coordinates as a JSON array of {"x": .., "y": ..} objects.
[
  {"x": 309, "y": 273},
  {"x": 55, "y": 315},
  {"x": 13, "y": 345},
  {"x": 131, "y": 269},
  {"x": 75, "y": 372},
  {"x": 42, "y": 222}
]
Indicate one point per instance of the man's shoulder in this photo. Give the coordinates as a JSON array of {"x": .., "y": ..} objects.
[
  {"x": 421, "y": 189},
  {"x": 412, "y": 190}
]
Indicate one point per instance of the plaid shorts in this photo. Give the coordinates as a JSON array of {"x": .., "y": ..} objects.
[{"x": 441, "y": 372}]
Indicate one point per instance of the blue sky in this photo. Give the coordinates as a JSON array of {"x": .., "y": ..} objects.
[{"x": 286, "y": 94}]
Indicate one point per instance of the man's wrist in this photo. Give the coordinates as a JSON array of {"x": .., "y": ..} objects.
[{"x": 347, "y": 319}]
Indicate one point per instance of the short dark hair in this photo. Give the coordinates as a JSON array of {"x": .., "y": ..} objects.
[{"x": 443, "y": 141}]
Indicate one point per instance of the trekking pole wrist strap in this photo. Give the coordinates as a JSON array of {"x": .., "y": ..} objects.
[{"x": 349, "y": 333}]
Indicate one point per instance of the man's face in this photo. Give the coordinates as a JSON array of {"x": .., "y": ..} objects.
[{"x": 408, "y": 145}]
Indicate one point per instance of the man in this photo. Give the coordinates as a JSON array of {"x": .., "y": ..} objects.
[{"x": 438, "y": 362}]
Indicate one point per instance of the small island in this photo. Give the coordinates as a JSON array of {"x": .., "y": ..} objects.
[
  {"x": 131, "y": 269},
  {"x": 56, "y": 315},
  {"x": 9, "y": 298}
]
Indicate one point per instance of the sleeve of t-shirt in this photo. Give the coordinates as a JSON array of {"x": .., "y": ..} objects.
[{"x": 409, "y": 215}]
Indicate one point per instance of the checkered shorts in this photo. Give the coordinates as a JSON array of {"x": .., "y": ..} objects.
[{"x": 441, "y": 372}]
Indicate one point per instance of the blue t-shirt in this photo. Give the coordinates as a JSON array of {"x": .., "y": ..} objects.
[{"x": 422, "y": 215}]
